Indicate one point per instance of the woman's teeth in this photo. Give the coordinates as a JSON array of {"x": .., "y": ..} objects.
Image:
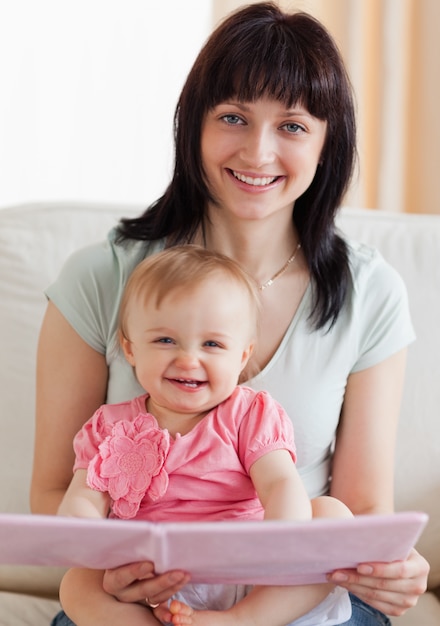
[{"x": 257, "y": 182}]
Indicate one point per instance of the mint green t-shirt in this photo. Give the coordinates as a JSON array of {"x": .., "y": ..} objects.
[{"x": 309, "y": 370}]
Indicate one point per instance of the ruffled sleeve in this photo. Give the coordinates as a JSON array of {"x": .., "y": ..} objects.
[
  {"x": 124, "y": 459},
  {"x": 264, "y": 428},
  {"x": 86, "y": 443}
]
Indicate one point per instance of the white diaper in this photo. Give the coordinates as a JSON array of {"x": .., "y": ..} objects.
[{"x": 333, "y": 610}]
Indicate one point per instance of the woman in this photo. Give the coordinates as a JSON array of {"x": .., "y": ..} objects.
[{"x": 265, "y": 146}]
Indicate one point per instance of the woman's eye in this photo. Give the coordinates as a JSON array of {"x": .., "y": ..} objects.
[
  {"x": 294, "y": 128},
  {"x": 233, "y": 120}
]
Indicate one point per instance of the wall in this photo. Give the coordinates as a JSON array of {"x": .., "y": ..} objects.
[{"x": 88, "y": 90}]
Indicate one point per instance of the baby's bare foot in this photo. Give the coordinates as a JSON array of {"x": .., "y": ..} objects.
[{"x": 182, "y": 613}]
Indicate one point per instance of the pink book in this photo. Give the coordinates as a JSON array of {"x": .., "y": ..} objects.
[{"x": 266, "y": 552}]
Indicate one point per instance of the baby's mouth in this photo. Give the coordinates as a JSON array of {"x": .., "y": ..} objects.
[{"x": 192, "y": 384}]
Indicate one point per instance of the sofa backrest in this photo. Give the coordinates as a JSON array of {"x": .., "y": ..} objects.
[
  {"x": 35, "y": 240},
  {"x": 411, "y": 243}
]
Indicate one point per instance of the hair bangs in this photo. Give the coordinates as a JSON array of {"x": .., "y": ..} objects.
[{"x": 273, "y": 63}]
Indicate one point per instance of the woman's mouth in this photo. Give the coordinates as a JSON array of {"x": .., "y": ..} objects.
[{"x": 259, "y": 181}]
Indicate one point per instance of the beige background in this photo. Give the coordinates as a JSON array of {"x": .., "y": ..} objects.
[{"x": 392, "y": 51}]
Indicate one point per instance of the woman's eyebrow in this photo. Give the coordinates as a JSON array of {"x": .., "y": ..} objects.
[
  {"x": 245, "y": 107},
  {"x": 235, "y": 103}
]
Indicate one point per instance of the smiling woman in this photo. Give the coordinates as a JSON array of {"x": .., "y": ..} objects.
[{"x": 265, "y": 145}]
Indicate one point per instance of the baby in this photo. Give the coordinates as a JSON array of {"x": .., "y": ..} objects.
[{"x": 195, "y": 446}]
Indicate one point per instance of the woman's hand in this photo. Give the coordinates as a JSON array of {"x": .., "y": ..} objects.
[
  {"x": 392, "y": 588},
  {"x": 138, "y": 581}
]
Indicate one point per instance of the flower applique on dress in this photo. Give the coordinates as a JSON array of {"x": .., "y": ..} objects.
[{"x": 129, "y": 464}]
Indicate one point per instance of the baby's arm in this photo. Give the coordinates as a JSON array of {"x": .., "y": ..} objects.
[
  {"x": 280, "y": 488},
  {"x": 82, "y": 501}
]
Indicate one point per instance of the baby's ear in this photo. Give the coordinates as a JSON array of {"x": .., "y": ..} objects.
[
  {"x": 246, "y": 355},
  {"x": 127, "y": 348}
]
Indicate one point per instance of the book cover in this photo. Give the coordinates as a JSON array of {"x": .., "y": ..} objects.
[{"x": 250, "y": 552}]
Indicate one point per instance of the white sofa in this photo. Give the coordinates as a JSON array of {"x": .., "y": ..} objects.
[{"x": 34, "y": 241}]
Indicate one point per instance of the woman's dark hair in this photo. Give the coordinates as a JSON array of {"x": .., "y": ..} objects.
[{"x": 260, "y": 51}]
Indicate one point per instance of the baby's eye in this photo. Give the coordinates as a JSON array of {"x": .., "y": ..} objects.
[
  {"x": 233, "y": 120},
  {"x": 212, "y": 344},
  {"x": 294, "y": 128},
  {"x": 164, "y": 340}
]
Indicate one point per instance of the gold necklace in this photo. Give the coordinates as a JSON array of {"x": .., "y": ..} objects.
[{"x": 270, "y": 282}]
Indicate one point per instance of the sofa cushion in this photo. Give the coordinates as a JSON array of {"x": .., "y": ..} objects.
[
  {"x": 31, "y": 580},
  {"x": 22, "y": 610},
  {"x": 425, "y": 613}
]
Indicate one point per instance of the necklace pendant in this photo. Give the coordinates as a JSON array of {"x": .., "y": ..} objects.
[
  {"x": 281, "y": 271},
  {"x": 264, "y": 285}
]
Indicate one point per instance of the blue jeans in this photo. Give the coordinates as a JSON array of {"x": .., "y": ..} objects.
[{"x": 363, "y": 615}]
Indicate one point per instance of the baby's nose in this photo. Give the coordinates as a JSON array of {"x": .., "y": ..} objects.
[{"x": 187, "y": 359}]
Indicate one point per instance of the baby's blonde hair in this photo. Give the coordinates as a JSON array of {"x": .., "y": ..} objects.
[{"x": 184, "y": 266}]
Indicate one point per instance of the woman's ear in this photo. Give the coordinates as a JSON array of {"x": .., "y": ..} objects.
[{"x": 127, "y": 348}]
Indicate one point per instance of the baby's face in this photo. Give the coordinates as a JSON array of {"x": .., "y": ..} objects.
[{"x": 188, "y": 351}]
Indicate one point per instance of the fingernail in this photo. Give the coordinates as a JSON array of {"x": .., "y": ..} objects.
[
  {"x": 176, "y": 577},
  {"x": 145, "y": 571},
  {"x": 365, "y": 569},
  {"x": 339, "y": 577}
]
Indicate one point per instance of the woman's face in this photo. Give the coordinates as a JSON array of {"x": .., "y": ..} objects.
[{"x": 259, "y": 157}]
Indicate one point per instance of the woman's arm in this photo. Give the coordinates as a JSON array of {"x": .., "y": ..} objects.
[
  {"x": 86, "y": 603},
  {"x": 363, "y": 463},
  {"x": 363, "y": 478},
  {"x": 71, "y": 385}
]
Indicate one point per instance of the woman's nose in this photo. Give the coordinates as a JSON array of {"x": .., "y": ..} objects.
[{"x": 258, "y": 148}]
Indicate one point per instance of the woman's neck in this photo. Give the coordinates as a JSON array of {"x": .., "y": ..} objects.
[{"x": 261, "y": 247}]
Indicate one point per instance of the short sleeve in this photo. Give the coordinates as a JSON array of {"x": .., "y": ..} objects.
[
  {"x": 265, "y": 427},
  {"x": 380, "y": 303},
  {"x": 90, "y": 285},
  {"x": 81, "y": 290}
]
